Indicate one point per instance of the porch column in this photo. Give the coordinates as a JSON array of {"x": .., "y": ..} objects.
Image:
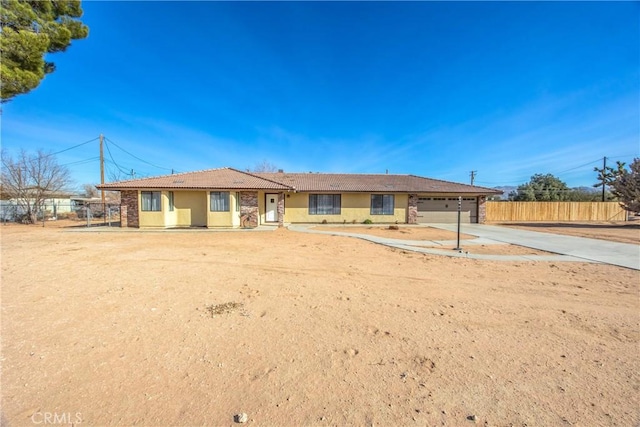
[
  {"x": 412, "y": 210},
  {"x": 280, "y": 210}
]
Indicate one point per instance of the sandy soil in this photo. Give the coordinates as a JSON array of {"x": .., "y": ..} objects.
[
  {"x": 115, "y": 328},
  {"x": 428, "y": 233},
  {"x": 404, "y": 232},
  {"x": 502, "y": 249},
  {"x": 624, "y": 232}
]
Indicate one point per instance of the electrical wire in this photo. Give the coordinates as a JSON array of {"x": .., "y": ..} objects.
[
  {"x": 138, "y": 158},
  {"x": 578, "y": 167},
  {"x": 71, "y": 148},
  {"x": 113, "y": 160},
  {"x": 555, "y": 173},
  {"x": 80, "y": 162}
]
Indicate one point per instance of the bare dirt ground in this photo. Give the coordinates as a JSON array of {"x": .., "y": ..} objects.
[
  {"x": 498, "y": 249},
  {"x": 404, "y": 232},
  {"x": 428, "y": 233},
  {"x": 192, "y": 327},
  {"x": 623, "y": 232}
]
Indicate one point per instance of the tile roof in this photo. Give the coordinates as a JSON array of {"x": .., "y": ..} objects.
[
  {"x": 340, "y": 182},
  {"x": 233, "y": 179},
  {"x": 221, "y": 178}
]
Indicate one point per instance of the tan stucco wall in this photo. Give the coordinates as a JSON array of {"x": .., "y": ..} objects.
[
  {"x": 355, "y": 207},
  {"x": 190, "y": 209},
  {"x": 150, "y": 219},
  {"x": 262, "y": 218},
  {"x": 224, "y": 219},
  {"x": 235, "y": 208}
]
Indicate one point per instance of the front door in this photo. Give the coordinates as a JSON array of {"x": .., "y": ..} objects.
[{"x": 271, "y": 207}]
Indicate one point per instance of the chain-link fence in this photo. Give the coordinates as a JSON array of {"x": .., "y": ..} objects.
[{"x": 90, "y": 214}]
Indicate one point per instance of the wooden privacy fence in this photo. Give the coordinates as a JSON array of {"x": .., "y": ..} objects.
[{"x": 555, "y": 211}]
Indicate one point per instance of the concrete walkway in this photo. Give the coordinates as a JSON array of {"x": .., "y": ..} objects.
[
  {"x": 595, "y": 250},
  {"x": 413, "y": 245}
]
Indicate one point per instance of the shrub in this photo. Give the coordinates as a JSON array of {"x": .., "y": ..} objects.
[{"x": 367, "y": 221}]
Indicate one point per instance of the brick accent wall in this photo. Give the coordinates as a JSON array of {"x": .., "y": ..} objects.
[
  {"x": 412, "y": 212},
  {"x": 249, "y": 208},
  {"x": 123, "y": 216},
  {"x": 280, "y": 209},
  {"x": 482, "y": 209},
  {"x": 129, "y": 204}
]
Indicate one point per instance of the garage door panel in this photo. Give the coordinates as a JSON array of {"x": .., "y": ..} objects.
[
  {"x": 445, "y": 209},
  {"x": 443, "y": 217}
]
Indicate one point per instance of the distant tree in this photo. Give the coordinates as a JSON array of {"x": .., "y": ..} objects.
[
  {"x": 541, "y": 188},
  {"x": 264, "y": 166},
  {"x": 31, "y": 179},
  {"x": 607, "y": 175},
  {"x": 89, "y": 191},
  {"x": 586, "y": 194},
  {"x": 627, "y": 187},
  {"x": 30, "y": 30}
]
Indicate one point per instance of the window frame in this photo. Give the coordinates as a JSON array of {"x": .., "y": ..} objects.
[
  {"x": 149, "y": 206},
  {"x": 375, "y": 210},
  {"x": 171, "y": 201},
  {"x": 225, "y": 201},
  {"x": 335, "y": 209}
]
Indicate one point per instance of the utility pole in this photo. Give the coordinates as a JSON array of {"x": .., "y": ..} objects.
[
  {"x": 473, "y": 176},
  {"x": 604, "y": 177},
  {"x": 104, "y": 203}
]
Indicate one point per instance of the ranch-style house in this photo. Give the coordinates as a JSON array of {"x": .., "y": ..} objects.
[{"x": 228, "y": 197}]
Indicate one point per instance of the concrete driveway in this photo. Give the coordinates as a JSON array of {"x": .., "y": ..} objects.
[{"x": 621, "y": 254}]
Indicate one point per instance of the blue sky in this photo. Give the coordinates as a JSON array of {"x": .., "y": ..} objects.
[{"x": 435, "y": 89}]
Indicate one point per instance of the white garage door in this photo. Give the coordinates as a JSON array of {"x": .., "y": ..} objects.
[{"x": 445, "y": 209}]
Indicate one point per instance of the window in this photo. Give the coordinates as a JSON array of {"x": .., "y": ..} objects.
[
  {"x": 237, "y": 202},
  {"x": 219, "y": 201},
  {"x": 324, "y": 204},
  {"x": 171, "y": 207},
  {"x": 151, "y": 201},
  {"x": 382, "y": 204}
]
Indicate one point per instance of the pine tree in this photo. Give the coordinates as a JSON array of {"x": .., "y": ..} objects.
[{"x": 31, "y": 29}]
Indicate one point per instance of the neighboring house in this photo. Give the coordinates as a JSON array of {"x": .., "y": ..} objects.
[
  {"x": 13, "y": 209},
  {"x": 228, "y": 197}
]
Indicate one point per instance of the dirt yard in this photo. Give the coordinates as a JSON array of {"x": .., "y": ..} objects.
[
  {"x": 404, "y": 232},
  {"x": 193, "y": 327},
  {"x": 624, "y": 232}
]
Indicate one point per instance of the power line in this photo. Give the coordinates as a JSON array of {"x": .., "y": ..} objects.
[
  {"x": 113, "y": 160},
  {"x": 71, "y": 148},
  {"x": 79, "y": 162},
  {"x": 138, "y": 158},
  {"x": 578, "y": 167}
]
